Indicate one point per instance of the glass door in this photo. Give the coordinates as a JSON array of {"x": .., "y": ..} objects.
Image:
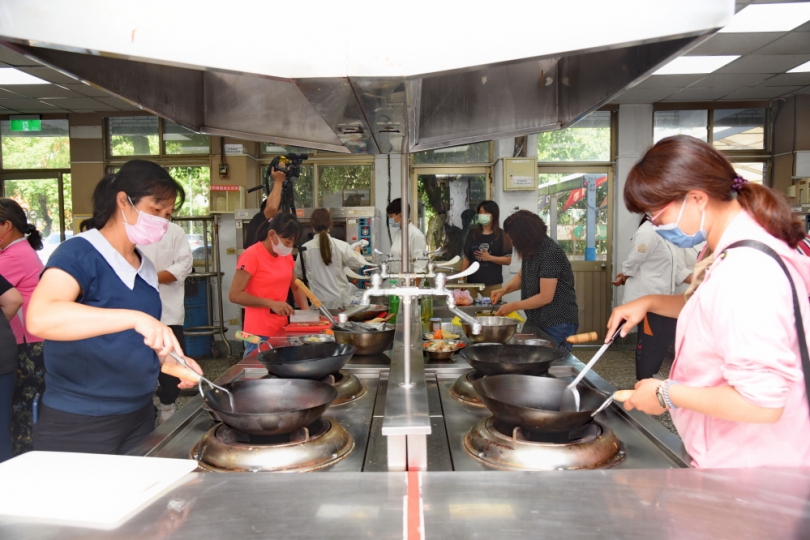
[{"x": 46, "y": 199}]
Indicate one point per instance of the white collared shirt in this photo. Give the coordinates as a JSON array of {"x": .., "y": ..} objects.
[
  {"x": 654, "y": 266},
  {"x": 329, "y": 283},
  {"x": 416, "y": 245},
  {"x": 125, "y": 272},
  {"x": 172, "y": 254}
]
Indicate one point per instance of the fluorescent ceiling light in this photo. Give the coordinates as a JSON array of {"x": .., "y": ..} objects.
[
  {"x": 689, "y": 65},
  {"x": 770, "y": 18},
  {"x": 804, "y": 68},
  {"x": 9, "y": 76}
]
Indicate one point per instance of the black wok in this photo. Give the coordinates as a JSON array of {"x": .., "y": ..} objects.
[
  {"x": 533, "y": 403},
  {"x": 314, "y": 361},
  {"x": 496, "y": 359},
  {"x": 271, "y": 406}
]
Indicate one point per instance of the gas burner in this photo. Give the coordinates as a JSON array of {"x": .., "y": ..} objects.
[
  {"x": 593, "y": 446},
  {"x": 463, "y": 389},
  {"x": 347, "y": 384},
  {"x": 321, "y": 444}
]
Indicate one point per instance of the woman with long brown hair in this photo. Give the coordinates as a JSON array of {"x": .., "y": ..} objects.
[
  {"x": 325, "y": 259},
  {"x": 487, "y": 244},
  {"x": 737, "y": 389}
]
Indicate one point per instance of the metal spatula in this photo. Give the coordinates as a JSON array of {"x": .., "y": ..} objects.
[
  {"x": 570, "y": 397},
  {"x": 193, "y": 375}
]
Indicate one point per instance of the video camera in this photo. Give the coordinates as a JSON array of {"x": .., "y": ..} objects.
[{"x": 290, "y": 165}]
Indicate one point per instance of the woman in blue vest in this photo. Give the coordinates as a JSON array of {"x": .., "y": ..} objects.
[{"x": 98, "y": 308}]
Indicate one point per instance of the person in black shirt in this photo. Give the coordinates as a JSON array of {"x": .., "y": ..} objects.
[
  {"x": 268, "y": 209},
  {"x": 10, "y": 302},
  {"x": 546, "y": 280},
  {"x": 487, "y": 244}
]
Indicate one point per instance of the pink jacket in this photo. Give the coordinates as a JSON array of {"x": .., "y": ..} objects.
[
  {"x": 738, "y": 329},
  {"x": 21, "y": 266}
]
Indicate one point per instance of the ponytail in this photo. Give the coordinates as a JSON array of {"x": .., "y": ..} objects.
[
  {"x": 326, "y": 247},
  {"x": 321, "y": 222},
  {"x": 11, "y": 211},
  {"x": 772, "y": 212}
]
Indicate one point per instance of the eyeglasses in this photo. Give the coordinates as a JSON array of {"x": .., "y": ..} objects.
[{"x": 657, "y": 215}]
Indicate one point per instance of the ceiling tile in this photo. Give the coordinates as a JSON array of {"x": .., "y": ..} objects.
[
  {"x": 644, "y": 95},
  {"x": 14, "y": 58},
  {"x": 803, "y": 28},
  {"x": 41, "y": 90},
  {"x": 119, "y": 104},
  {"x": 48, "y": 74},
  {"x": 722, "y": 44},
  {"x": 788, "y": 79},
  {"x": 669, "y": 81},
  {"x": 702, "y": 94},
  {"x": 81, "y": 103},
  {"x": 792, "y": 43},
  {"x": 86, "y": 90},
  {"x": 805, "y": 90},
  {"x": 761, "y": 92},
  {"x": 765, "y": 63},
  {"x": 734, "y": 80},
  {"x": 29, "y": 105}
]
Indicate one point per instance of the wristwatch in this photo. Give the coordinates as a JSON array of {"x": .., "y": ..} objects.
[{"x": 659, "y": 393}]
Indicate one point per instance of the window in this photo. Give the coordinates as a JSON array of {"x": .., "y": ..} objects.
[
  {"x": 739, "y": 129},
  {"x": 753, "y": 172},
  {"x": 575, "y": 208},
  {"x": 302, "y": 188},
  {"x": 344, "y": 185},
  {"x": 587, "y": 140},
  {"x": 133, "y": 136},
  {"x": 273, "y": 149},
  {"x": 45, "y": 149},
  {"x": 179, "y": 140},
  {"x": 196, "y": 182},
  {"x": 468, "y": 153},
  {"x": 668, "y": 123}
]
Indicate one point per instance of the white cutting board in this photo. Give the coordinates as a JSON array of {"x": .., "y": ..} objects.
[{"x": 85, "y": 490}]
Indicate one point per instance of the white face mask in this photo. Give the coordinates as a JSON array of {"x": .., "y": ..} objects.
[{"x": 280, "y": 249}]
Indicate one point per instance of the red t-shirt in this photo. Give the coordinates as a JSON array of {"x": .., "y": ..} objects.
[{"x": 270, "y": 278}]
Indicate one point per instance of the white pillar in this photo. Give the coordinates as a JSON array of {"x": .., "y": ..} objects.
[
  {"x": 381, "y": 199},
  {"x": 635, "y": 138}
]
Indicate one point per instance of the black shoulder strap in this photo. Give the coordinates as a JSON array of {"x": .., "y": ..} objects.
[
  {"x": 755, "y": 244},
  {"x": 301, "y": 250}
]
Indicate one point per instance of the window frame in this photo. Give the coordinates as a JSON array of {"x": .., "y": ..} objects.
[{"x": 111, "y": 160}]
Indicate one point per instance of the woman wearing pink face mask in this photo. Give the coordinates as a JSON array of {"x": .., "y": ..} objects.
[{"x": 98, "y": 308}]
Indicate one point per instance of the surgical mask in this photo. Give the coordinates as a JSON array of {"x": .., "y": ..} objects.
[
  {"x": 484, "y": 219},
  {"x": 147, "y": 230},
  {"x": 672, "y": 233},
  {"x": 280, "y": 249},
  {"x": 392, "y": 223}
]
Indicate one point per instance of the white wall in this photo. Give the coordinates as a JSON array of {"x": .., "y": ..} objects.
[{"x": 635, "y": 138}]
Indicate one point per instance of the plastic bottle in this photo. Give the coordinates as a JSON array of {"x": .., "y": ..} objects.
[
  {"x": 427, "y": 309},
  {"x": 393, "y": 304}
]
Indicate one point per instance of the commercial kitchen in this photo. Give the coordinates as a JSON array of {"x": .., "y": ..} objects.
[{"x": 442, "y": 105}]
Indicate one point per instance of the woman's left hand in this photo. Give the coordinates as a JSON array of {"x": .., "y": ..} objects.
[
  {"x": 644, "y": 398},
  {"x": 506, "y": 309},
  {"x": 484, "y": 256},
  {"x": 189, "y": 362}
]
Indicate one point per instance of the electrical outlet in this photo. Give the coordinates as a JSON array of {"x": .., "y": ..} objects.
[{"x": 233, "y": 322}]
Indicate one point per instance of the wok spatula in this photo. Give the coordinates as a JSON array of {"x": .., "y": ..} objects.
[{"x": 570, "y": 397}]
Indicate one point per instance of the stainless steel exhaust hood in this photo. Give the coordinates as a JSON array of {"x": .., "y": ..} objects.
[{"x": 396, "y": 81}]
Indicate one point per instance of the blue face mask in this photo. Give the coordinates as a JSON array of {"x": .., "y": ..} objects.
[
  {"x": 672, "y": 233},
  {"x": 392, "y": 223}
]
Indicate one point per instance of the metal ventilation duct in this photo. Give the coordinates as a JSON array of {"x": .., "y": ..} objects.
[{"x": 368, "y": 90}]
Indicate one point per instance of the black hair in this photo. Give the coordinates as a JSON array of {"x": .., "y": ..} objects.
[
  {"x": 526, "y": 231},
  {"x": 321, "y": 222},
  {"x": 490, "y": 207},
  {"x": 11, "y": 211},
  {"x": 395, "y": 207},
  {"x": 285, "y": 225},
  {"x": 138, "y": 179}
]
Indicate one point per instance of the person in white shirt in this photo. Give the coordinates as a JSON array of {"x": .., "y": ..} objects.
[
  {"x": 172, "y": 259},
  {"x": 654, "y": 266},
  {"x": 416, "y": 239},
  {"x": 324, "y": 260}
]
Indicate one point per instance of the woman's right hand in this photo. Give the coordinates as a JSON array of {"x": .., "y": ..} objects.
[
  {"x": 157, "y": 336},
  {"x": 496, "y": 295},
  {"x": 619, "y": 280},
  {"x": 631, "y": 314},
  {"x": 281, "y": 308}
]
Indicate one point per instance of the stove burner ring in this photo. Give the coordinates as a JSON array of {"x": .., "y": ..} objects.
[
  {"x": 463, "y": 390},
  {"x": 582, "y": 435},
  {"x": 229, "y": 435}
]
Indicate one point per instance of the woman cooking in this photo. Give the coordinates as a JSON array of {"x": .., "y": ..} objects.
[
  {"x": 97, "y": 307},
  {"x": 737, "y": 388},
  {"x": 264, "y": 275},
  {"x": 325, "y": 259},
  {"x": 487, "y": 244},
  {"x": 545, "y": 280}
]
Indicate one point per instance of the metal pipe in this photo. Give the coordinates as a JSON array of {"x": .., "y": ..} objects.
[
  {"x": 405, "y": 264},
  {"x": 406, "y": 340}
]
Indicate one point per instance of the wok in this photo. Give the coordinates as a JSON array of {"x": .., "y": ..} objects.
[
  {"x": 533, "y": 403},
  {"x": 367, "y": 343},
  {"x": 311, "y": 361},
  {"x": 497, "y": 359},
  {"x": 372, "y": 311},
  {"x": 272, "y": 406},
  {"x": 493, "y": 330}
]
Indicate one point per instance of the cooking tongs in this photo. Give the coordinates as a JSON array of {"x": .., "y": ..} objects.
[{"x": 189, "y": 373}]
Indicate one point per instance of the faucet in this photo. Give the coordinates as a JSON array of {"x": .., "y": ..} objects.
[{"x": 408, "y": 292}]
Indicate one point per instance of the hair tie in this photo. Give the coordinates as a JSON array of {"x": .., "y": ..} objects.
[
  {"x": 737, "y": 183},
  {"x": 321, "y": 228},
  {"x": 31, "y": 228}
]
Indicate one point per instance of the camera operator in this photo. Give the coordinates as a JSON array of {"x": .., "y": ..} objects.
[{"x": 269, "y": 207}]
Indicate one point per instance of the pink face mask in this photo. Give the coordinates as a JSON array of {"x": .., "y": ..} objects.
[{"x": 147, "y": 230}]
